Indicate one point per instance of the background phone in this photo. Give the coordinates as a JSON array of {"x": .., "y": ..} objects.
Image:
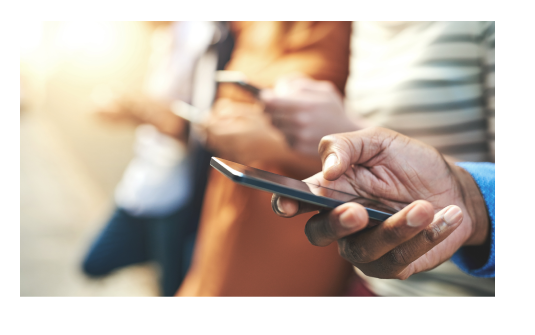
[
  {"x": 296, "y": 189},
  {"x": 237, "y": 78}
]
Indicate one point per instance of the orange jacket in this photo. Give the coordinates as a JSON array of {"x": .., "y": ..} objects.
[{"x": 243, "y": 248}]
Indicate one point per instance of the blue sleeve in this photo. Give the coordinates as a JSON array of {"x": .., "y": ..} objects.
[{"x": 509, "y": 193}]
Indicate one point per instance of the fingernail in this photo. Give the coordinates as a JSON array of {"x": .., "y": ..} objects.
[
  {"x": 453, "y": 215},
  {"x": 331, "y": 161},
  {"x": 347, "y": 219},
  {"x": 416, "y": 217},
  {"x": 279, "y": 206}
]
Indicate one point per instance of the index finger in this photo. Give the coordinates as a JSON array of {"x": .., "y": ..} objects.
[{"x": 339, "y": 151}]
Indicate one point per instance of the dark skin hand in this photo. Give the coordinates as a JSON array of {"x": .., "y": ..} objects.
[{"x": 398, "y": 171}]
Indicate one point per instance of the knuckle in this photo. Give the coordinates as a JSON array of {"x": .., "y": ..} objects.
[
  {"x": 432, "y": 234},
  {"x": 328, "y": 141},
  {"x": 353, "y": 252},
  {"x": 393, "y": 235},
  {"x": 398, "y": 257}
]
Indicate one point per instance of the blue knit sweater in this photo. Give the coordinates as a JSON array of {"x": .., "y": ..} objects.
[{"x": 509, "y": 192}]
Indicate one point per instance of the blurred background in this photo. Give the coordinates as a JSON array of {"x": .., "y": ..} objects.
[{"x": 71, "y": 161}]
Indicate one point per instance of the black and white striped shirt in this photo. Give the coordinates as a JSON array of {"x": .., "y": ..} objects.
[{"x": 433, "y": 81}]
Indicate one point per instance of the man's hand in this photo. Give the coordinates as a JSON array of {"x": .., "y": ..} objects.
[
  {"x": 398, "y": 171},
  {"x": 305, "y": 110}
]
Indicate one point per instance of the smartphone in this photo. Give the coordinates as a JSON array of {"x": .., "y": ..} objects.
[
  {"x": 296, "y": 189},
  {"x": 237, "y": 78}
]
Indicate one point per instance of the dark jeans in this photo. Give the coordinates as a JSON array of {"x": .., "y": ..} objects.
[{"x": 169, "y": 240}]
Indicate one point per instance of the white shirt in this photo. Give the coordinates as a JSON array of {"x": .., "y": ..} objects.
[{"x": 157, "y": 181}]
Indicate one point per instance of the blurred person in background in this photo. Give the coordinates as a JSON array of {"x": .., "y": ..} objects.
[
  {"x": 243, "y": 248},
  {"x": 433, "y": 81},
  {"x": 159, "y": 197}
]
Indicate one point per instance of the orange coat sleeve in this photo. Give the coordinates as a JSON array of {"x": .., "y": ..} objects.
[{"x": 264, "y": 51}]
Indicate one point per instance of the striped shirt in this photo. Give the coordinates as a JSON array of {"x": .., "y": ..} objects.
[{"x": 433, "y": 81}]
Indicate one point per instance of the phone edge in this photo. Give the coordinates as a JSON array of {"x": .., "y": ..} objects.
[{"x": 257, "y": 184}]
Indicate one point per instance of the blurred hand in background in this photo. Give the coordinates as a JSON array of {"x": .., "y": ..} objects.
[
  {"x": 305, "y": 110},
  {"x": 241, "y": 132},
  {"x": 115, "y": 106}
]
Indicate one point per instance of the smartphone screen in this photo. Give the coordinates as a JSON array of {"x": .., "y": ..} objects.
[{"x": 296, "y": 189}]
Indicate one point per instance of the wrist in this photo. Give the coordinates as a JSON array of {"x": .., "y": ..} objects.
[{"x": 475, "y": 205}]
